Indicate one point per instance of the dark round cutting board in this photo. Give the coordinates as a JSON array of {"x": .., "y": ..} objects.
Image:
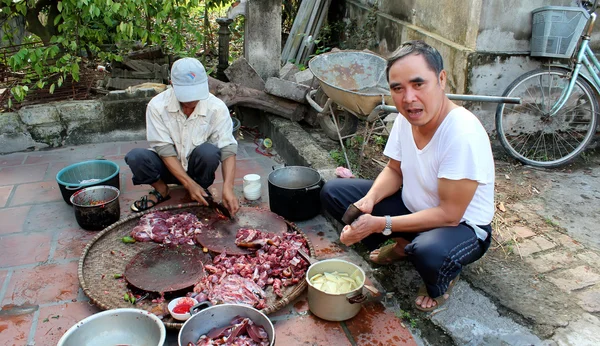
[{"x": 221, "y": 235}]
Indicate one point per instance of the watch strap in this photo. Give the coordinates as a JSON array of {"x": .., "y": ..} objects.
[{"x": 388, "y": 223}]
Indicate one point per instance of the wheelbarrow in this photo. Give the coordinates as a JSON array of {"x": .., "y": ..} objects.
[{"x": 352, "y": 84}]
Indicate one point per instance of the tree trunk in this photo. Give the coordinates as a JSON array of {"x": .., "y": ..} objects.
[{"x": 234, "y": 94}]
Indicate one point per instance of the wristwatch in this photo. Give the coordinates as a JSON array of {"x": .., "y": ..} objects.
[{"x": 388, "y": 226}]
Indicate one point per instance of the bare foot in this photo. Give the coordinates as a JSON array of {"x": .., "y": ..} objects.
[{"x": 427, "y": 302}]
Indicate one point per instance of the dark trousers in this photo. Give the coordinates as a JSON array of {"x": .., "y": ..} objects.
[
  {"x": 147, "y": 167},
  {"x": 438, "y": 254}
]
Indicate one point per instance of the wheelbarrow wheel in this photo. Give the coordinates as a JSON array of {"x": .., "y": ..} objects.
[{"x": 346, "y": 121}]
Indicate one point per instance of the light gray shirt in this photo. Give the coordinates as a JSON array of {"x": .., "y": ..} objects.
[{"x": 168, "y": 127}]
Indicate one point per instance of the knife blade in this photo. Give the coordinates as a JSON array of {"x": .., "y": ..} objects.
[
  {"x": 352, "y": 213},
  {"x": 218, "y": 206}
]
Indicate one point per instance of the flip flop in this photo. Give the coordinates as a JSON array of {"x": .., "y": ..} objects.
[
  {"x": 439, "y": 300},
  {"x": 144, "y": 203},
  {"x": 387, "y": 255}
]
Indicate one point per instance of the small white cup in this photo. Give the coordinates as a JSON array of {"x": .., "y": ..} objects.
[{"x": 252, "y": 187}]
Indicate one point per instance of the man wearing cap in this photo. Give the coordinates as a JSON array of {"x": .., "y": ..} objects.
[{"x": 190, "y": 134}]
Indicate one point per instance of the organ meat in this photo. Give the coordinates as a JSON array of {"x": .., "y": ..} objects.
[
  {"x": 275, "y": 263},
  {"x": 167, "y": 228},
  {"x": 241, "y": 331}
]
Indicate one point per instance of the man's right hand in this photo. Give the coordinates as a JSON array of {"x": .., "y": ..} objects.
[{"x": 197, "y": 193}]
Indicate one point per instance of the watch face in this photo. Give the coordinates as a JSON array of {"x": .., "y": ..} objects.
[{"x": 387, "y": 231}]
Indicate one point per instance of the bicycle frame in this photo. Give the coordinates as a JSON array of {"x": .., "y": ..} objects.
[{"x": 586, "y": 57}]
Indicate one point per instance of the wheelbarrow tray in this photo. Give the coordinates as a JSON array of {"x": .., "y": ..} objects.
[{"x": 355, "y": 80}]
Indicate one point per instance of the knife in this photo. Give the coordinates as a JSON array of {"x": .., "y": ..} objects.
[
  {"x": 218, "y": 206},
  {"x": 351, "y": 214}
]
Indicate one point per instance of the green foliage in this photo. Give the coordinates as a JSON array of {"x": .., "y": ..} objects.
[
  {"x": 406, "y": 316},
  {"x": 380, "y": 141},
  {"x": 73, "y": 31},
  {"x": 338, "y": 156},
  {"x": 358, "y": 34}
]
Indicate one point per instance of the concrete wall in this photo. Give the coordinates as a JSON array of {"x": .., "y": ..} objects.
[
  {"x": 262, "y": 42},
  {"x": 485, "y": 43},
  {"x": 119, "y": 116}
]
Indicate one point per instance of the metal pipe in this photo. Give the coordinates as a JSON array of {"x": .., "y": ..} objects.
[
  {"x": 483, "y": 98},
  {"x": 458, "y": 97}
]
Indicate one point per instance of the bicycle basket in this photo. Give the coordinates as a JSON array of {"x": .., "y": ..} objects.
[{"x": 556, "y": 30}]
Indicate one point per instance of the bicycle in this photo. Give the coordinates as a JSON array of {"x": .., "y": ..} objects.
[{"x": 557, "y": 117}]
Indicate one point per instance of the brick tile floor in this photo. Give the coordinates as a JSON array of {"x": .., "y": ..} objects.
[
  {"x": 41, "y": 243},
  {"x": 4, "y": 194},
  {"x": 13, "y": 219}
]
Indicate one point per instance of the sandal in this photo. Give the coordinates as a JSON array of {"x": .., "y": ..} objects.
[
  {"x": 387, "y": 255},
  {"x": 144, "y": 203},
  {"x": 439, "y": 301}
]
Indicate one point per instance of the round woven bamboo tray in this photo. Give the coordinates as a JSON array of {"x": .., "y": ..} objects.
[{"x": 106, "y": 256}]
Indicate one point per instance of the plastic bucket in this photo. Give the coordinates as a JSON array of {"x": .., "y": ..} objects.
[{"x": 85, "y": 174}]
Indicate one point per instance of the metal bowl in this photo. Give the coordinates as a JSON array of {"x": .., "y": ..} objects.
[
  {"x": 219, "y": 316},
  {"x": 116, "y": 327}
]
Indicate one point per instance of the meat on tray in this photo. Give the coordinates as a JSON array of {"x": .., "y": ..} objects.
[
  {"x": 241, "y": 331},
  {"x": 276, "y": 262},
  {"x": 167, "y": 228}
]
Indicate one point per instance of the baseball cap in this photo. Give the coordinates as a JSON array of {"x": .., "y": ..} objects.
[{"x": 189, "y": 80}]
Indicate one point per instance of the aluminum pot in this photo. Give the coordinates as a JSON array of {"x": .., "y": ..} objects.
[
  {"x": 96, "y": 207},
  {"x": 116, "y": 327},
  {"x": 335, "y": 307},
  {"x": 219, "y": 316},
  {"x": 294, "y": 192}
]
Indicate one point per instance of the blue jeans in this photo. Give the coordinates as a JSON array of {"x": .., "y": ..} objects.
[
  {"x": 147, "y": 167},
  {"x": 438, "y": 254}
]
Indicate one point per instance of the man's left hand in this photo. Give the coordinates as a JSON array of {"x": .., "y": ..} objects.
[
  {"x": 230, "y": 201},
  {"x": 361, "y": 228}
]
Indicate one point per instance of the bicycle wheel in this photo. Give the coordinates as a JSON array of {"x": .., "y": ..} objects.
[{"x": 530, "y": 134}]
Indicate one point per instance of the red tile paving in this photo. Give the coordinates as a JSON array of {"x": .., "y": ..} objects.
[
  {"x": 36, "y": 193},
  {"x": 309, "y": 330},
  {"x": 40, "y": 243},
  {"x": 48, "y": 217},
  {"x": 12, "y": 159},
  {"x": 23, "y": 174},
  {"x": 52, "y": 283},
  {"x": 3, "y": 274},
  {"x": 53, "y": 170},
  {"x": 71, "y": 242},
  {"x": 15, "y": 324},
  {"x": 55, "y": 320},
  {"x": 21, "y": 249},
  {"x": 374, "y": 325},
  {"x": 13, "y": 219},
  {"x": 4, "y": 194}
]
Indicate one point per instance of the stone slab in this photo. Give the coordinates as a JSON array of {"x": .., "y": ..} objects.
[
  {"x": 286, "y": 89},
  {"x": 288, "y": 71},
  {"x": 39, "y": 115},
  {"x": 470, "y": 318},
  {"x": 551, "y": 261},
  {"x": 240, "y": 72},
  {"x": 589, "y": 300},
  {"x": 306, "y": 77},
  {"x": 574, "y": 279},
  {"x": 584, "y": 331},
  {"x": 591, "y": 258}
]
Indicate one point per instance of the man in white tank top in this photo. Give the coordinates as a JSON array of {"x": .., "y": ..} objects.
[{"x": 435, "y": 197}]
